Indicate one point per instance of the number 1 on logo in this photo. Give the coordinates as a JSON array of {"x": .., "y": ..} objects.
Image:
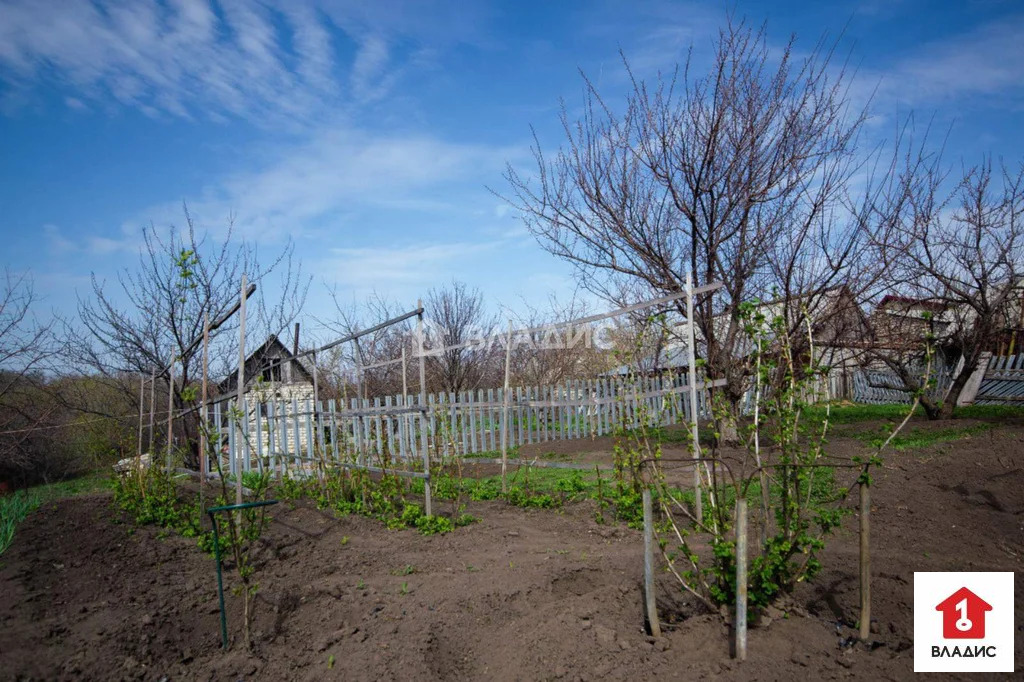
[{"x": 963, "y": 624}]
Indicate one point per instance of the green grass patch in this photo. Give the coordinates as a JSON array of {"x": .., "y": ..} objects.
[
  {"x": 513, "y": 453},
  {"x": 16, "y": 507},
  {"x": 854, "y": 413},
  {"x": 922, "y": 438}
]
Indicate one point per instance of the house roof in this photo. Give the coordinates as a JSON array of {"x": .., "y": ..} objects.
[
  {"x": 911, "y": 302},
  {"x": 264, "y": 356}
]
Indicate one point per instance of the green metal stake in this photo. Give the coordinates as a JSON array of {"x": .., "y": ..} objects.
[{"x": 216, "y": 553}]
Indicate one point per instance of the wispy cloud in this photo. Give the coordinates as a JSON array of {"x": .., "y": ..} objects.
[
  {"x": 180, "y": 59},
  {"x": 314, "y": 188},
  {"x": 984, "y": 61},
  {"x": 199, "y": 59},
  {"x": 421, "y": 264},
  {"x": 332, "y": 189}
]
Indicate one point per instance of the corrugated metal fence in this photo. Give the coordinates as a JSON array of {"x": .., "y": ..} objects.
[{"x": 1004, "y": 381}]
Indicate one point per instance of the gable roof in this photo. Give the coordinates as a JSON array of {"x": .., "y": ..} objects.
[{"x": 271, "y": 352}]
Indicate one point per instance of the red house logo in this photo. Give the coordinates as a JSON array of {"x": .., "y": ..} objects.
[{"x": 963, "y": 615}]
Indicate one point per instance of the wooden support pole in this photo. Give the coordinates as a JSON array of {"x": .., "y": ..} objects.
[
  {"x": 204, "y": 425},
  {"x": 142, "y": 407},
  {"x": 423, "y": 404},
  {"x": 240, "y": 393},
  {"x": 405, "y": 382},
  {"x": 152, "y": 409},
  {"x": 316, "y": 383},
  {"x": 865, "y": 561},
  {"x": 504, "y": 410},
  {"x": 170, "y": 412},
  {"x": 357, "y": 423},
  {"x": 741, "y": 579},
  {"x": 405, "y": 402},
  {"x": 649, "y": 597},
  {"x": 692, "y": 370}
]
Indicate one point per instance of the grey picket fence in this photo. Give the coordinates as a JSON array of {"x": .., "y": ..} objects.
[{"x": 293, "y": 436}]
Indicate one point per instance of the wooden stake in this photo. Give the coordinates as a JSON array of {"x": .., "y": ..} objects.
[
  {"x": 203, "y": 445},
  {"x": 865, "y": 561},
  {"x": 142, "y": 406},
  {"x": 241, "y": 392},
  {"x": 423, "y": 403},
  {"x": 649, "y": 596},
  {"x": 504, "y": 410},
  {"x": 741, "y": 579},
  {"x": 692, "y": 371},
  {"x": 152, "y": 408},
  {"x": 405, "y": 403},
  {"x": 170, "y": 412}
]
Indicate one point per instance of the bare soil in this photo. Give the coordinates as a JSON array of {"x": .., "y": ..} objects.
[{"x": 521, "y": 595}]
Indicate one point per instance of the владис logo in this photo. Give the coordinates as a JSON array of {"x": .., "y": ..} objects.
[{"x": 965, "y": 631}]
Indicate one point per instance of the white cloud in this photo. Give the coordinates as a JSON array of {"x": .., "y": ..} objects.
[
  {"x": 986, "y": 61},
  {"x": 423, "y": 264},
  {"x": 196, "y": 59},
  {"x": 338, "y": 172}
]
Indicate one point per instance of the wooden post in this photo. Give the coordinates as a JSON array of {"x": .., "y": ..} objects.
[
  {"x": 405, "y": 383},
  {"x": 240, "y": 393},
  {"x": 423, "y": 402},
  {"x": 152, "y": 408},
  {"x": 741, "y": 579},
  {"x": 142, "y": 406},
  {"x": 692, "y": 370},
  {"x": 504, "y": 410},
  {"x": 406, "y": 422},
  {"x": 649, "y": 596},
  {"x": 203, "y": 417},
  {"x": 865, "y": 561},
  {"x": 318, "y": 434},
  {"x": 170, "y": 411},
  {"x": 316, "y": 381}
]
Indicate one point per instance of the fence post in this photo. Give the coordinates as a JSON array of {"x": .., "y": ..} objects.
[
  {"x": 865, "y": 561},
  {"x": 504, "y": 410},
  {"x": 741, "y": 579},
  {"x": 650, "y": 600},
  {"x": 423, "y": 402}
]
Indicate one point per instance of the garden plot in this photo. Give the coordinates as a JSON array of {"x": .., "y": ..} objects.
[{"x": 521, "y": 594}]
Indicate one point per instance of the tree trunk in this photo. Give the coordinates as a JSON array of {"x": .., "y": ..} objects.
[
  {"x": 931, "y": 409},
  {"x": 956, "y": 388}
]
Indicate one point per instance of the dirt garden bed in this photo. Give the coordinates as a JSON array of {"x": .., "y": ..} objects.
[{"x": 522, "y": 594}]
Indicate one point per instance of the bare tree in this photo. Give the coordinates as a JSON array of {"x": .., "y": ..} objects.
[
  {"x": 741, "y": 175},
  {"x": 372, "y": 363},
  {"x": 552, "y": 352},
  {"x": 157, "y": 309},
  {"x": 955, "y": 255},
  {"x": 26, "y": 347},
  {"x": 455, "y": 317}
]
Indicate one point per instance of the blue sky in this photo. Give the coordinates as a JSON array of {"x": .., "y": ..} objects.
[{"x": 369, "y": 132}]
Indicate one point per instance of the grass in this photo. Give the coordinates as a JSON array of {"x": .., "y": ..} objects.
[
  {"x": 16, "y": 507},
  {"x": 513, "y": 453},
  {"x": 920, "y": 438},
  {"x": 853, "y": 413}
]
